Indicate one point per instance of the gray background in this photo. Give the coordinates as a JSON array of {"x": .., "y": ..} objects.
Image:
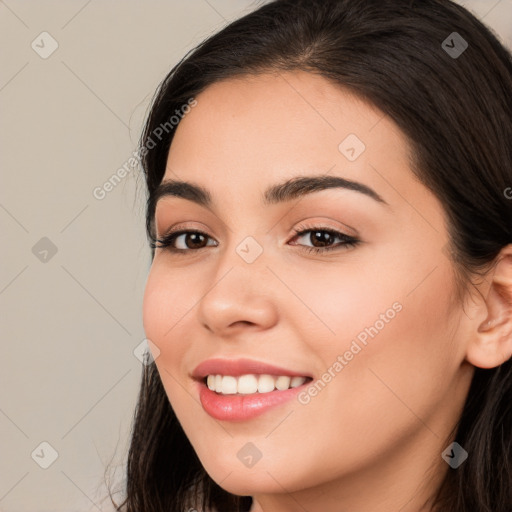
[{"x": 71, "y": 319}]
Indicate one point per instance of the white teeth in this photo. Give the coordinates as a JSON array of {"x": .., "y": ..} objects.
[
  {"x": 247, "y": 384},
  {"x": 266, "y": 383},
  {"x": 250, "y": 383},
  {"x": 297, "y": 381},
  {"x": 229, "y": 385},
  {"x": 283, "y": 383}
]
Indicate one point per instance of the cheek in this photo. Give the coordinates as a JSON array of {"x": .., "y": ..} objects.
[
  {"x": 164, "y": 314},
  {"x": 394, "y": 343},
  {"x": 163, "y": 311},
  {"x": 403, "y": 327},
  {"x": 340, "y": 306},
  {"x": 156, "y": 300}
]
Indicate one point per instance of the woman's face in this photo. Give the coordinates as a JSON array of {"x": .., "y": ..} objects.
[{"x": 372, "y": 322}]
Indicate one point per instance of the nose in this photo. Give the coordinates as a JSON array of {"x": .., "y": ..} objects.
[{"x": 239, "y": 297}]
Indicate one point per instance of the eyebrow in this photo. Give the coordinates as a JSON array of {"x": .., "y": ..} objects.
[{"x": 290, "y": 189}]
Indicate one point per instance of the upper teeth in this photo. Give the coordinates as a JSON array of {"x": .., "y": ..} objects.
[{"x": 246, "y": 384}]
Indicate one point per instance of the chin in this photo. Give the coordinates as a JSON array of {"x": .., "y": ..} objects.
[{"x": 249, "y": 485}]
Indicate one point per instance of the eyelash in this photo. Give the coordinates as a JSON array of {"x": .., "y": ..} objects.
[{"x": 347, "y": 241}]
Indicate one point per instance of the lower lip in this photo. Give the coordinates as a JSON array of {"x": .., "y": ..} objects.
[{"x": 243, "y": 407}]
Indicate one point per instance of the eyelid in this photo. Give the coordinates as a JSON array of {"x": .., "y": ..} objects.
[
  {"x": 181, "y": 226},
  {"x": 323, "y": 223}
]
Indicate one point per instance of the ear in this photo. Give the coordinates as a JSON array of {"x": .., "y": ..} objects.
[{"x": 490, "y": 343}]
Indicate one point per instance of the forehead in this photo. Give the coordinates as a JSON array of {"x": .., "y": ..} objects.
[{"x": 257, "y": 130}]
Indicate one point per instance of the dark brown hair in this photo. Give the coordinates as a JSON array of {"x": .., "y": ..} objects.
[{"x": 456, "y": 113}]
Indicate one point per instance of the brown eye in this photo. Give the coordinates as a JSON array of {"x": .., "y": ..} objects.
[
  {"x": 324, "y": 240},
  {"x": 321, "y": 238},
  {"x": 192, "y": 240},
  {"x": 183, "y": 241}
]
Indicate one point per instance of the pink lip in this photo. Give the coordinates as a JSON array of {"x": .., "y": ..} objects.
[
  {"x": 242, "y": 407},
  {"x": 237, "y": 367}
]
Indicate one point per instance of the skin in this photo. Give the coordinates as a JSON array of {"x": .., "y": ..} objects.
[{"x": 372, "y": 438}]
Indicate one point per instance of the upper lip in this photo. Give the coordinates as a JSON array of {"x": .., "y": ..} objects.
[{"x": 237, "y": 367}]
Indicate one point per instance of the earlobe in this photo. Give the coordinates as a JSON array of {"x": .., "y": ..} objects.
[{"x": 491, "y": 342}]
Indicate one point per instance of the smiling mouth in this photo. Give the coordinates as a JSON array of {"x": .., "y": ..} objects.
[{"x": 252, "y": 383}]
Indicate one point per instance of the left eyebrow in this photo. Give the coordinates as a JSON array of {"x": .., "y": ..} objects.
[
  {"x": 281, "y": 192},
  {"x": 302, "y": 185}
]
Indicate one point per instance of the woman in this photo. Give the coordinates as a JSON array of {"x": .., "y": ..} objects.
[{"x": 330, "y": 299}]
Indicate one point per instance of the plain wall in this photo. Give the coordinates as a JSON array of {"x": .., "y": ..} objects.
[{"x": 74, "y": 265}]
